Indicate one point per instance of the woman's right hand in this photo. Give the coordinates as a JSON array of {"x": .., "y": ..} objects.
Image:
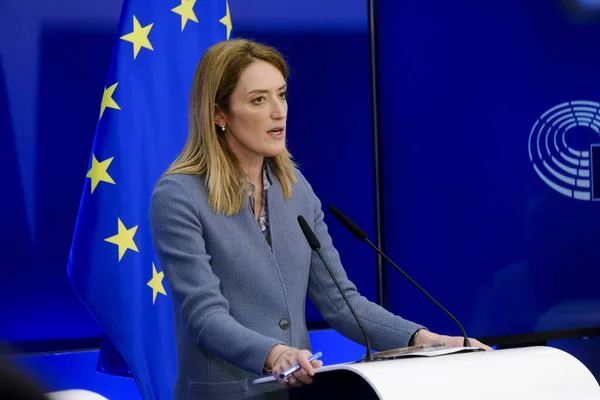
[{"x": 284, "y": 357}]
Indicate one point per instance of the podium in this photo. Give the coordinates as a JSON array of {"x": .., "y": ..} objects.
[{"x": 524, "y": 373}]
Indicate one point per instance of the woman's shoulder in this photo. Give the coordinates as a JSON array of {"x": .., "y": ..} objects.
[
  {"x": 176, "y": 185},
  {"x": 177, "y": 194}
]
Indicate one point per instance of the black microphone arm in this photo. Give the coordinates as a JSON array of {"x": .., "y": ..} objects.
[
  {"x": 314, "y": 244},
  {"x": 362, "y": 236}
]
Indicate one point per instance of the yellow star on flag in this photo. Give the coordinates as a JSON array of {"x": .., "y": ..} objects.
[
  {"x": 139, "y": 37},
  {"x": 156, "y": 283},
  {"x": 98, "y": 173},
  {"x": 107, "y": 100},
  {"x": 186, "y": 10},
  {"x": 226, "y": 20},
  {"x": 124, "y": 239}
]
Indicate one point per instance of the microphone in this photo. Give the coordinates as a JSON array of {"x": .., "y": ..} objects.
[
  {"x": 362, "y": 236},
  {"x": 314, "y": 244}
]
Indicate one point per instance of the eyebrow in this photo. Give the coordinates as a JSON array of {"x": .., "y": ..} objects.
[{"x": 264, "y": 90}]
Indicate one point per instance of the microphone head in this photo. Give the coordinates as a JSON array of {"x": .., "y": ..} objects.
[
  {"x": 310, "y": 236},
  {"x": 351, "y": 226}
]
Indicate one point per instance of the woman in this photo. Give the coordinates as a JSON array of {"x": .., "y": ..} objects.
[{"x": 224, "y": 225}]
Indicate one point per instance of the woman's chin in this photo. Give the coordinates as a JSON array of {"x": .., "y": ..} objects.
[{"x": 275, "y": 151}]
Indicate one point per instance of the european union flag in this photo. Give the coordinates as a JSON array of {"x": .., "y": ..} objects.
[{"x": 142, "y": 127}]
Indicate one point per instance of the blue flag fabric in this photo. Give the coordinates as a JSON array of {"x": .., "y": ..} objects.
[{"x": 142, "y": 127}]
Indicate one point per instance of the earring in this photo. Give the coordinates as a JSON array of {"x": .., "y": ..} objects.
[{"x": 223, "y": 128}]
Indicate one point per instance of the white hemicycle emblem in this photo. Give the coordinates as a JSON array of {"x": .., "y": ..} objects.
[{"x": 563, "y": 144}]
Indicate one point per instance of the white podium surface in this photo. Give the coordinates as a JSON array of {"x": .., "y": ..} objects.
[{"x": 525, "y": 373}]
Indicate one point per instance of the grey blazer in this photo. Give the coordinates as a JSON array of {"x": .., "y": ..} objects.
[{"x": 234, "y": 297}]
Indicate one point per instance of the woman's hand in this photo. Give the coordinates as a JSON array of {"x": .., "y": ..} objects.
[
  {"x": 426, "y": 337},
  {"x": 282, "y": 357}
]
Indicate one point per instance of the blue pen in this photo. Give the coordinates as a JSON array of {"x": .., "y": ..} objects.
[{"x": 287, "y": 373}]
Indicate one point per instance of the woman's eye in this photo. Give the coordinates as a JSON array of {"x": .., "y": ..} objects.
[
  {"x": 259, "y": 100},
  {"x": 283, "y": 95}
]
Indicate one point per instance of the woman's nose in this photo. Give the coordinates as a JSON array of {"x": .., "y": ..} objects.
[{"x": 279, "y": 109}]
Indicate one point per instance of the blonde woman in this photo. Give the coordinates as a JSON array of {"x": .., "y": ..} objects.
[{"x": 224, "y": 225}]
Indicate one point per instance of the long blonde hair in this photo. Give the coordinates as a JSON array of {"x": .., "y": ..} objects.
[{"x": 206, "y": 151}]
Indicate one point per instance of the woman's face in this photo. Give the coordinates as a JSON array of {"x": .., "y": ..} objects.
[{"x": 256, "y": 121}]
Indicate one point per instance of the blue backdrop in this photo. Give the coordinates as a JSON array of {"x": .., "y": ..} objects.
[
  {"x": 462, "y": 86},
  {"x": 53, "y": 64}
]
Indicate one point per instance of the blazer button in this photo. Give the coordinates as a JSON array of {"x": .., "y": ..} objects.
[{"x": 284, "y": 324}]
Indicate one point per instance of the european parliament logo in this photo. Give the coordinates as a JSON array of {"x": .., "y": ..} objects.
[{"x": 564, "y": 148}]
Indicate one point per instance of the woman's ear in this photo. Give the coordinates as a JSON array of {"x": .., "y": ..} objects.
[{"x": 220, "y": 117}]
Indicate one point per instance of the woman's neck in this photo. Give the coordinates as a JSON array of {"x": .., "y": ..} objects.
[
  {"x": 251, "y": 163},
  {"x": 253, "y": 169}
]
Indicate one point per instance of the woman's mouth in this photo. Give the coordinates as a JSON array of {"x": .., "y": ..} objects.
[{"x": 276, "y": 132}]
